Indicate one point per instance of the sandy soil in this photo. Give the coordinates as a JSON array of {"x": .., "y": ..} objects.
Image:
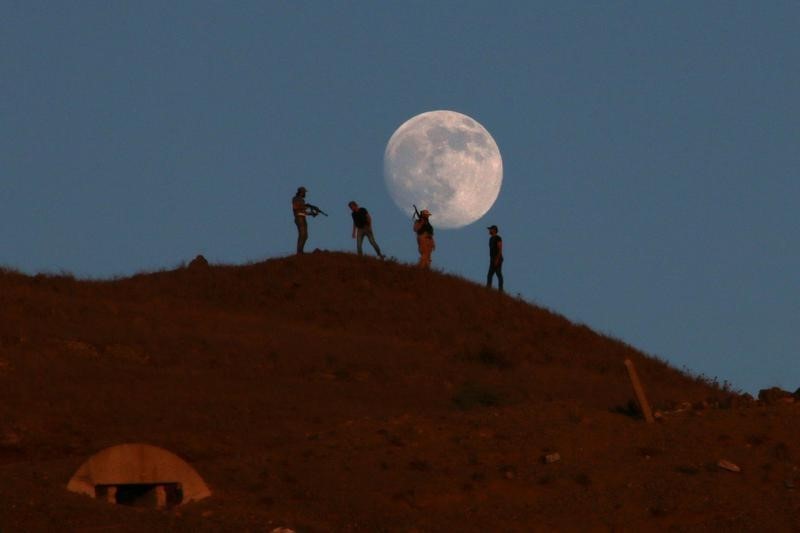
[{"x": 335, "y": 393}]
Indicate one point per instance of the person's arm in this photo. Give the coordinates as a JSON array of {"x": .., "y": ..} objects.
[{"x": 499, "y": 252}]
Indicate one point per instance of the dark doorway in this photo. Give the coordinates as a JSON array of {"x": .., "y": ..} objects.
[{"x": 153, "y": 495}]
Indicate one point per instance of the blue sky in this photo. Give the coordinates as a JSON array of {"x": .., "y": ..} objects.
[{"x": 650, "y": 149}]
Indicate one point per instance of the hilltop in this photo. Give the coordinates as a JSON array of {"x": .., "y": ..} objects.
[{"x": 330, "y": 392}]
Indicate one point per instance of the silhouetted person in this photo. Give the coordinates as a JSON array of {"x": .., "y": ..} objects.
[
  {"x": 425, "y": 242},
  {"x": 299, "y": 210},
  {"x": 362, "y": 227},
  {"x": 495, "y": 258}
]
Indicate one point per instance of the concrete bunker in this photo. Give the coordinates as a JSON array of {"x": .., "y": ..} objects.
[{"x": 139, "y": 475}]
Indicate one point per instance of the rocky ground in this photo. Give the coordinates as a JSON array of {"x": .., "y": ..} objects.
[{"x": 336, "y": 393}]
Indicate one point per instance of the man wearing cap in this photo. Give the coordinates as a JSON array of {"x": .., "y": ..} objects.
[
  {"x": 425, "y": 242},
  {"x": 299, "y": 210},
  {"x": 495, "y": 258}
]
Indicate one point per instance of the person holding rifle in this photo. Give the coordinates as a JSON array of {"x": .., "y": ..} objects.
[
  {"x": 425, "y": 243},
  {"x": 301, "y": 209}
]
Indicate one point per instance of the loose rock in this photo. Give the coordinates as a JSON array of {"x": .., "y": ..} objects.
[
  {"x": 775, "y": 395},
  {"x": 9, "y": 438},
  {"x": 729, "y": 466},
  {"x": 198, "y": 262},
  {"x": 552, "y": 458}
]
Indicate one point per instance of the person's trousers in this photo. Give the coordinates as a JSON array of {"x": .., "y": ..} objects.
[
  {"x": 366, "y": 232},
  {"x": 495, "y": 268},
  {"x": 302, "y": 232},
  {"x": 426, "y": 248}
]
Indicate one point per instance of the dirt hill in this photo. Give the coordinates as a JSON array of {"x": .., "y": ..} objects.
[{"x": 335, "y": 393}]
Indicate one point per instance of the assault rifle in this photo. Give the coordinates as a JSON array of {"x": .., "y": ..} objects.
[
  {"x": 416, "y": 212},
  {"x": 314, "y": 210}
]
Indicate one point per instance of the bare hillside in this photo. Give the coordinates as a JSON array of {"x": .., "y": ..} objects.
[{"x": 335, "y": 393}]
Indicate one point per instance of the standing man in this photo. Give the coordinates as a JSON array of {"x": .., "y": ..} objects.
[
  {"x": 299, "y": 210},
  {"x": 362, "y": 227},
  {"x": 495, "y": 258},
  {"x": 425, "y": 242}
]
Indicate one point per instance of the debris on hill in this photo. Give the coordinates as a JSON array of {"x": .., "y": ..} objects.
[
  {"x": 729, "y": 466},
  {"x": 775, "y": 395},
  {"x": 638, "y": 389},
  {"x": 551, "y": 458},
  {"x": 198, "y": 263},
  {"x": 735, "y": 401},
  {"x": 9, "y": 438}
]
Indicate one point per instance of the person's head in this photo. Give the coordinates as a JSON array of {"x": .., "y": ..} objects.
[
  {"x": 301, "y": 191},
  {"x": 492, "y": 229},
  {"x": 353, "y": 205},
  {"x": 425, "y": 214}
]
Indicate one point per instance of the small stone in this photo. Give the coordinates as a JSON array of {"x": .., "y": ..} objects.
[
  {"x": 729, "y": 466},
  {"x": 552, "y": 458},
  {"x": 9, "y": 438}
]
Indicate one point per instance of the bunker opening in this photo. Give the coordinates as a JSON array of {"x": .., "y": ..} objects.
[
  {"x": 139, "y": 475},
  {"x": 158, "y": 495}
]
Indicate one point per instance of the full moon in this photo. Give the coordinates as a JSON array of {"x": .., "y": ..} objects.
[{"x": 445, "y": 162}]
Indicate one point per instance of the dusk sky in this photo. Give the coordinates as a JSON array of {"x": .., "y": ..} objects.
[{"x": 651, "y": 150}]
